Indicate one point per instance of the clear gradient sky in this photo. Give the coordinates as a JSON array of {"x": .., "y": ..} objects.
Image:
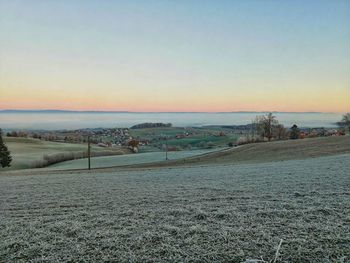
[{"x": 178, "y": 55}]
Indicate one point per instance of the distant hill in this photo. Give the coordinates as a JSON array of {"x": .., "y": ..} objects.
[
  {"x": 82, "y": 111},
  {"x": 151, "y": 125},
  {"x": 58, "y": 111}
]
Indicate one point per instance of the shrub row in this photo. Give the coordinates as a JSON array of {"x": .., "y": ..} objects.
[
  {"x": 249, "y": 139},
  {"x": 49, "y": 159}
]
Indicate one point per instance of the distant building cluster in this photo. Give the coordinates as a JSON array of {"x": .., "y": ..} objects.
[
  {"x": 103, "y": 137},
  {"x": 320, "y": 132}
]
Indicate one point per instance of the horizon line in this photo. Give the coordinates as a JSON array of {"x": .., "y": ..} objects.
[{"x": 127, "y": 111}]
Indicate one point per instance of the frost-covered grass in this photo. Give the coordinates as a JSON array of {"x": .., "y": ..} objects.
[
  {"x": 272, "y": 151},
  {"x": 109, "y": 161},
  {"x": 196, "y": 214}
]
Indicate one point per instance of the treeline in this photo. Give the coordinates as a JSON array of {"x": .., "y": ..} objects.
[
  {"x": 22, "y": 134},
  {"x": 25, "y": 134},
  {"x": 151, "y": 125},
  {"x": 51, "y": 136},
  {"x": 267, "y": 128}
]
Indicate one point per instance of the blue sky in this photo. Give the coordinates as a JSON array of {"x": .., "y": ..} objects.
[{"x": 175, "y": 55}]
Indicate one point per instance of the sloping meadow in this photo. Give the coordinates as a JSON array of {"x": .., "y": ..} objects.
[{"x": 201, "y": 214}]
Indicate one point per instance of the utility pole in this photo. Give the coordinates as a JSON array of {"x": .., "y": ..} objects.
[
  {"x": 89, "y": 153},
  {"x": 163, "y": 136},
  {"x": 166, "y": 148}
]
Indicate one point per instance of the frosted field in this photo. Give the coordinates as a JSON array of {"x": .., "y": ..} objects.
[
  {"x": 109, "y": 161},
  {"x": 27, "y": 151},
  {"x": 198, "y": 214}
]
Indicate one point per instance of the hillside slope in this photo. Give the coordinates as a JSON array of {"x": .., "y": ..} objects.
[
  {"x": 126, "y": 159},
  {"x": 245, "y": 154},
  {"x": 269, "y": 152},
  {"x": 223, "y": 213},
  {"x": 26, "y": 151}
]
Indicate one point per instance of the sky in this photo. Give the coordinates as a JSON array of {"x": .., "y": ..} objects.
[{"x": 179, "y": 55}]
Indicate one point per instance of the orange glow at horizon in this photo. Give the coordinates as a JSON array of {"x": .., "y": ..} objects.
[
  {"x": 73, "y": 91},
  {"x": 213, "y": 104}
]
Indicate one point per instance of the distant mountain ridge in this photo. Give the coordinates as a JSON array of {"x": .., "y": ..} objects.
[
  {"x": 58, "y": 111},
  {"x": 221, "y": 112}
]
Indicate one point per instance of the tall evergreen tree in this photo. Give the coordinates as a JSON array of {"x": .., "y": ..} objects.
[
  {"x": 295, "y": 132},
  {"x": 5, "y": 157},
  {"x": 345, "y": 122}
]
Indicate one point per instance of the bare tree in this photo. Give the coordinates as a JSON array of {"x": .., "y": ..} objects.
[
  {"x": 258, "y": 126},
  {"x": 265, "y": 125},
  {"x": 269, "y": 123},
  {"x": 280, "y": 132}
]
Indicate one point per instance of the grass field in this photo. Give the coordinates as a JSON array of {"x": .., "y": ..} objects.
[
  {"x": 129, "y": 159},
  {"x": 221, "y": 213},
  {"x": 199, "y": 139},
  {"x": 226, "y": 206},
  {"x": 245, "y": 154},
  {"x": 269, "y": 152},
  {"x": 26, "y": 151}
]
